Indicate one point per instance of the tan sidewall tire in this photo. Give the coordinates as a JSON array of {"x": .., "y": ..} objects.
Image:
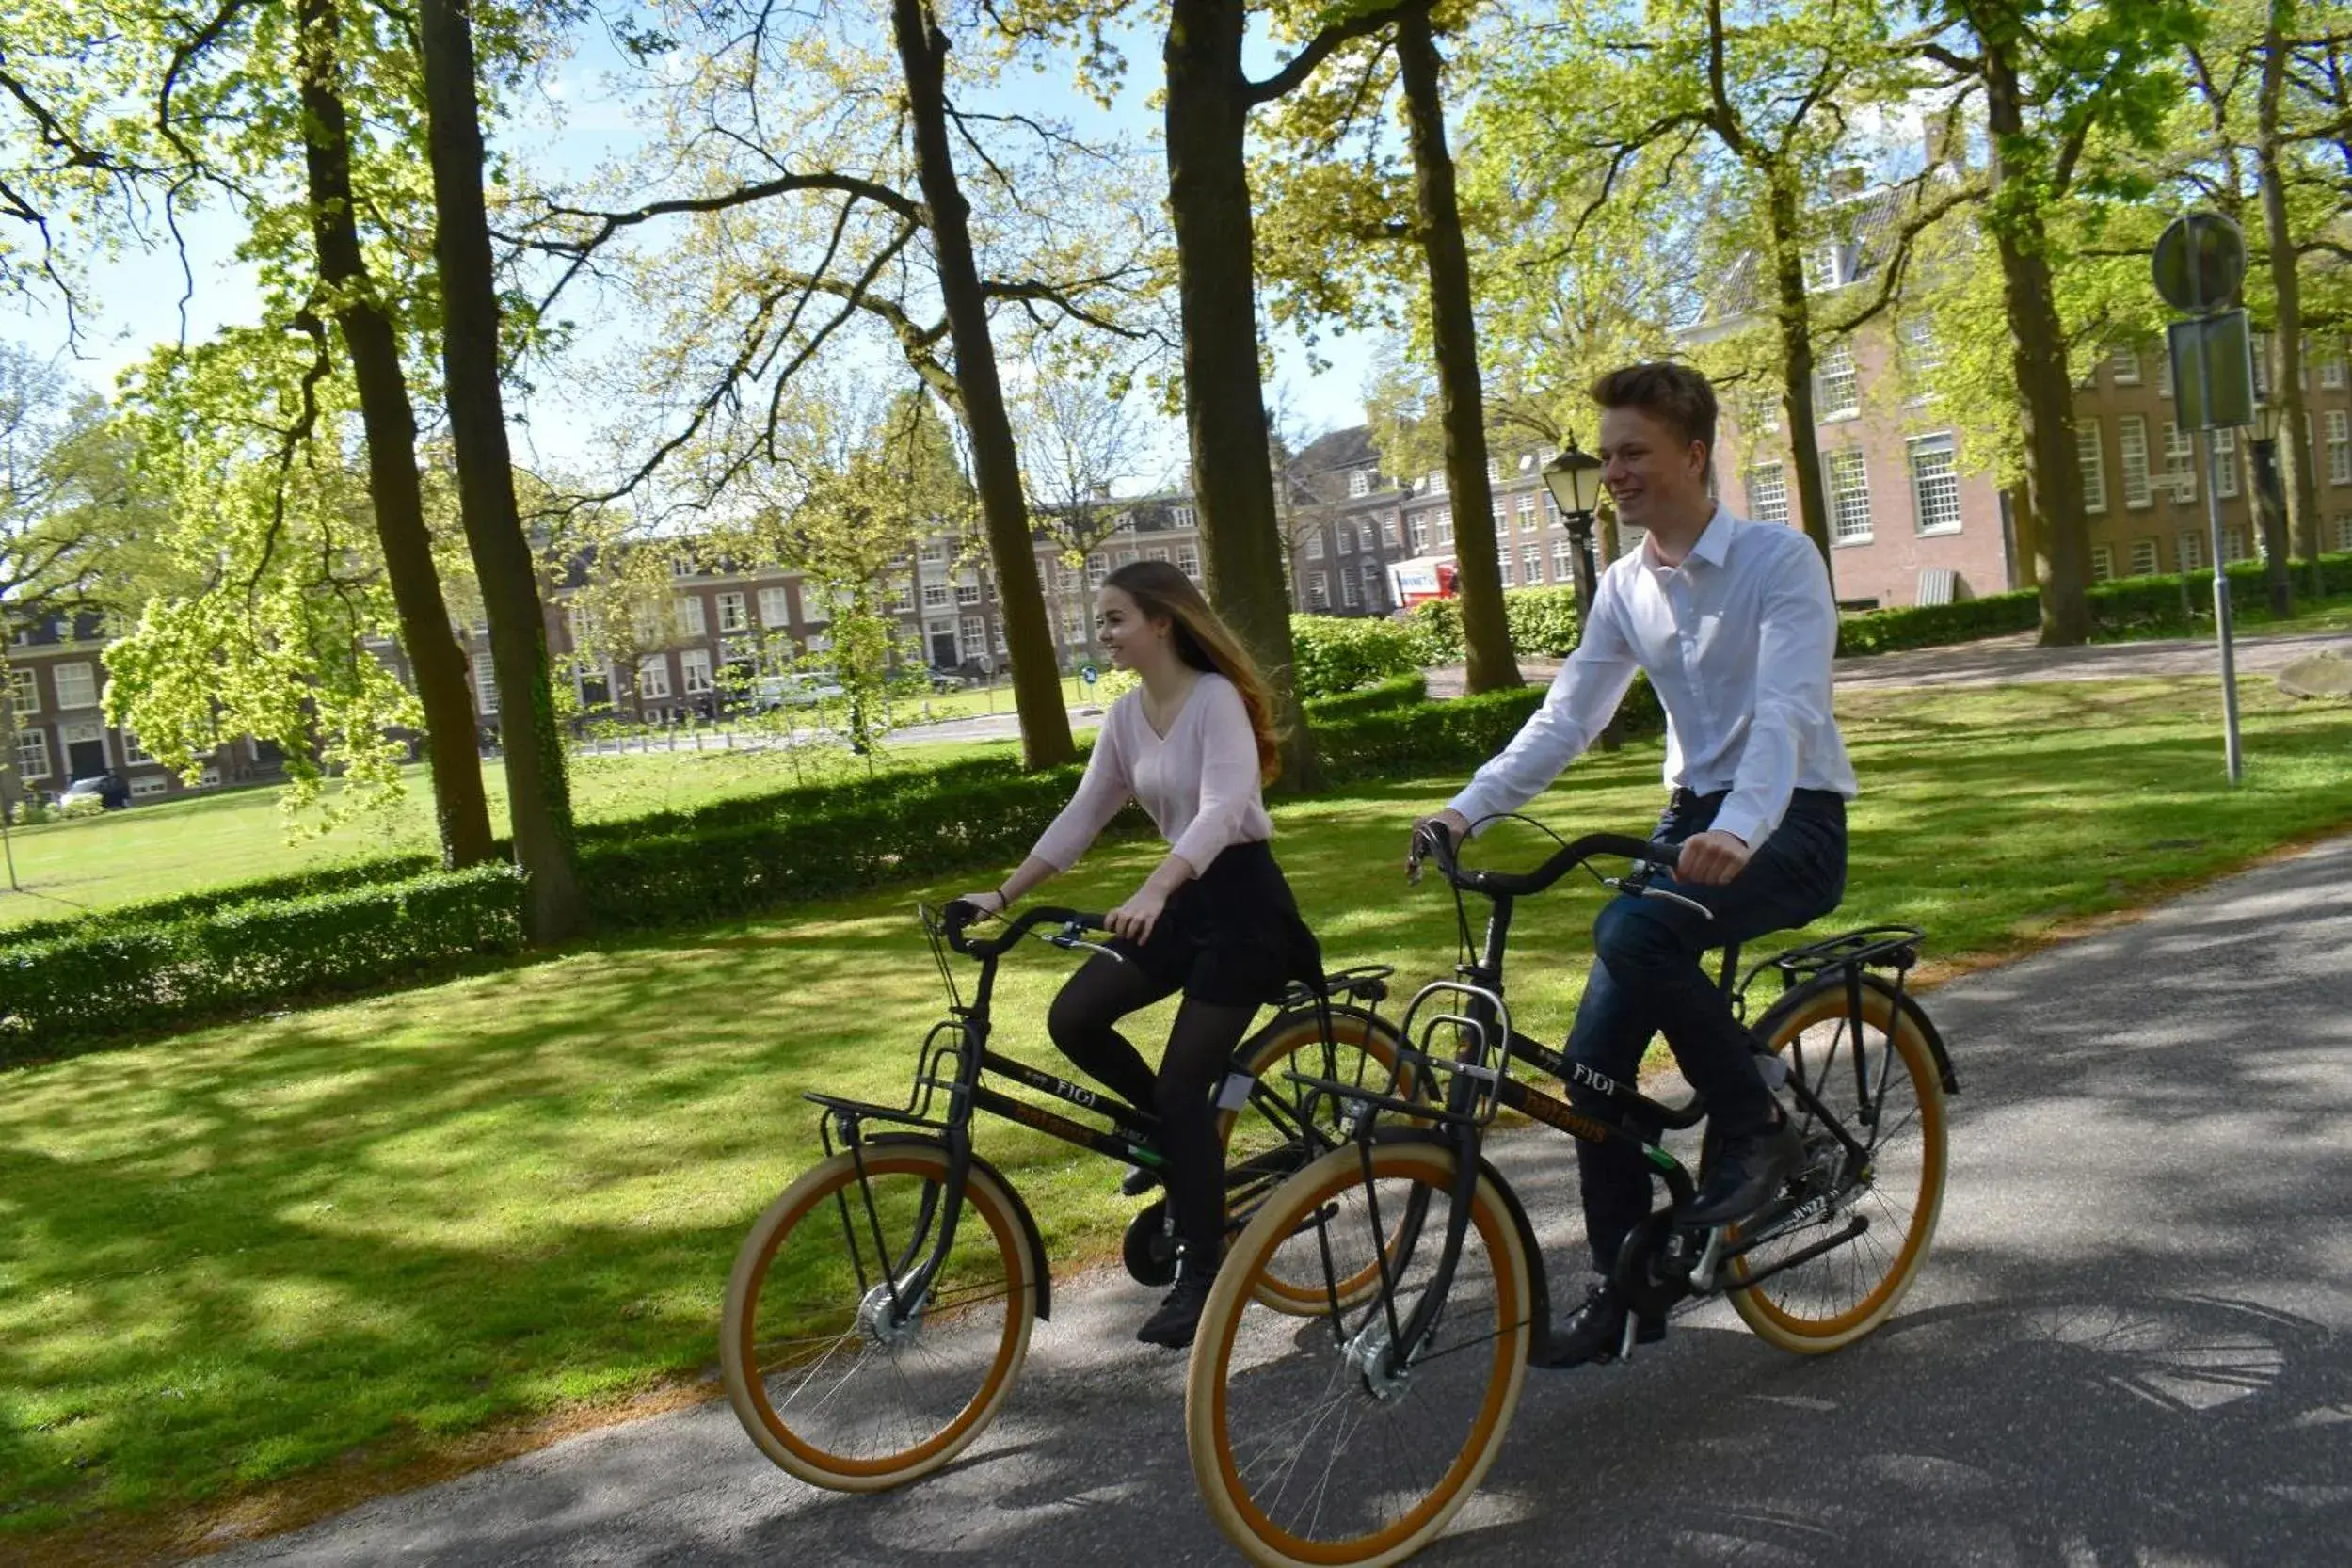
[
  {"x": 1204, "y": 1384},
  {"x": 1281, "y": 1039},
  {"x": 985, "y": 1204},
  {"x": 1806, "y": 1337}
]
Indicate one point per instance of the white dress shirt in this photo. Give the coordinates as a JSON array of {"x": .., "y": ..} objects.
[{"x": 1737, "y": 641}]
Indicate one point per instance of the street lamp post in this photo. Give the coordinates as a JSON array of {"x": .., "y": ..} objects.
[
  {"x": 1573, "y": 478},
  {"x": 2270, "y": 508}
]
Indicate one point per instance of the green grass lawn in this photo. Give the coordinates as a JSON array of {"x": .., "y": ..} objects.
[
  {"x": 198, "y": 842},
  {"x": 321, "y": 1247},
  {"x": 2250, "y": 613}
]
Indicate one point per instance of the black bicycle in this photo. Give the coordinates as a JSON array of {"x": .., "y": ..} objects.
[
  {"x": 880, "y": 1308},
  {"x": 1355, "y": 1441}
]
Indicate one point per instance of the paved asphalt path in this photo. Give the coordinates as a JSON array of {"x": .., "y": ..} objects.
[{"x": 2129, "y": 1348}]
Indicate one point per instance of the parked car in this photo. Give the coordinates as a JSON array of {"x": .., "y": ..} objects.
[
  {"x": 109, "y": 789},
  {"x": 793, "y": 691}
]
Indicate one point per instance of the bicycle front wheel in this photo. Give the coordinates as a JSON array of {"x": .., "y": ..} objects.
[
  {"x": 1883, "y": 1088},
  {"x": 856, "y": 1357},
  {"x": 1311, "y": 1441}
]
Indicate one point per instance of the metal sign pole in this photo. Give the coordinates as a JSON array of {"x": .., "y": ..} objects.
[{"x": 2221, "y": 621}]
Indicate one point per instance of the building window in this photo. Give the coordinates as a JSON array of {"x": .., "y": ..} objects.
[
  {"x": 1434, "y": 482},
  {"x": 1388, "y": 530},
  {"x": 2144, "y": 559},
  {"x": 23, "y": 692},
  {"x": 1445, "y": 525},
  {"x": 1934, "y": 486},
  {"x": 1123, "y": 523},
  {"x": 1563, "y": 560},
  {"x": 902, "y": 597},
  {"x": 2225, "y": 463},
  {"x": 975, "y": 638},
  {"x": 2164, "y": 374},
  {"x": 1315, "y": 546},
  {"x": 1180, "y": 517},
  {"x": 1837, "y": 390},
  {"x": 689, "y": 612},
  {"x": 2131, "y": 435},
  {"x": 1420, "y": 533},
  {"x": 2101, "y": 563},
  {"x": 486, "y": 685},
  {"x": 132, "y": 751},
  {"x": 654, "y": 678},
  {"x": 1156, "y": 553},
  {"x": 2344, "y": 530},
  {"x": 2339, "y": 447},
  {"x": 1850, "y": 497},
  {"x": 1767, "y": 493},
  {"x": 968, "y": 593},
  {"x": 1920, "y": 349},
  {"x": 2331, "y": 372},
  {"x": 2188, "y": 549},
  {"x": 1347, "y": 538},
  {"x": 934, "y": 554},
  {"x": 1531, "y": 564},
  {"x": 2233, "y": 544},
  {"x": 1503, "y": 566},
  {"x": 1126, "y": 557},
  {"x": 935, "y": 596},
  {"x": 1359, "y": 483},
  {"x": 1098, "y": 568},
  {"x": 1188, "y": 561},
  {"x": 2092, "y": 459},
  {"x": 734, "y": 612},
  {"x": 695, "y": 665},
  {"x": 150, "y": 785},
  {"x": 2180, "y": 463},
  {"x": 1502, "y": 520},
  {"x": 77, "y": 686},
  {"x": 1319, "y": 591},
  {"x": 776, "y": 607},
  {"x": 2124, "y": 364},
  {"x": 32, "y": 754},
  {"x": 1348, "y": 598}
]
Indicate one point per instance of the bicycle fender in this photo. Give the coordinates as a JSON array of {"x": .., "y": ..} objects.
[
  {"x": 1538, "y": 1287},
  {"x": 1030, "y": 1234}
]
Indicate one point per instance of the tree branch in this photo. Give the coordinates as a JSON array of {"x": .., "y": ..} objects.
[{"x": 1302, "y": 65}]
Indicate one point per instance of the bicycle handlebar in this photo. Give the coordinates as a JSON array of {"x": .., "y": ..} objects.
[
  {"x": 959, "y": 914},
  {"x": 1496, "y": 884}
]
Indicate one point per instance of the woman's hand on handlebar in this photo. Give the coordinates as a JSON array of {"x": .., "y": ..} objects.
[
  {"x": 991, "y": 903},
  {"x": 1450, "y": 822}
]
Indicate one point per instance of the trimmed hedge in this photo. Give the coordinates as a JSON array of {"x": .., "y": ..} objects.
[
  {"x": 1399, "y": 691},
  {"x": 1335, "y": 654},
  {"x": 122, "y": 979},
  {"x": 1543, "y": 624}
]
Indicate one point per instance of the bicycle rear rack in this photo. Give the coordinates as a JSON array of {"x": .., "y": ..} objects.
[{"x": 1895, "y": 947}]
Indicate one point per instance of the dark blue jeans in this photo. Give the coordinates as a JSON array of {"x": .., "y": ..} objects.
[{"x": 1649, "y": 976}]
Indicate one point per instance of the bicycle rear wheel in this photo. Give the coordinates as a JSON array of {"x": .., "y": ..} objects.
[
  {"x": 846, "y": 1370},
  {"x": 1893, "y": 1106},
  {"x": 1308, "y": 1444},
  {"x": 1285, "y": 1127}
]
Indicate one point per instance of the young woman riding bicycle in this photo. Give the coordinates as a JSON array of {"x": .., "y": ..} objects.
[{"x": 1193, "y": 745}]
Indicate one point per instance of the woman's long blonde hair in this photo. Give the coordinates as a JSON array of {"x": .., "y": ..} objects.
[{"x": 1204, "y": 642}]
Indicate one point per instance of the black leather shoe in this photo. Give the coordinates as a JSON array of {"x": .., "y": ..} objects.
[
  {"x": 1747, "y": 1174},
  {"x": 1138, "y": 1180},
  {"x": 1595, "y": 1334},
  {"x": 1180, "y": 1315}
]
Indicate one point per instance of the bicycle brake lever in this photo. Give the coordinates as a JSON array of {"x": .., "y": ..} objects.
[{"x": 1678, "y": 897}]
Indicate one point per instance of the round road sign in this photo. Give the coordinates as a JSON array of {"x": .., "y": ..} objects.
[{"x": 2199, "y": 263}]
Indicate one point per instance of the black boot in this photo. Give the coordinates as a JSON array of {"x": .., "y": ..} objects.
[
  {"x": 1748, "y": 1172},
  {"x": 1179, "y": 1314},
  {"x": 1595, "y": 1333},
  {"x": 1138, "y": 1180}
]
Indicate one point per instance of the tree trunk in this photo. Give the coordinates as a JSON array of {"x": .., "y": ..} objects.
[
  {"x": 538, "y": 796},
  {"x": 2296, "y": 480},
  {"x": 435, "y": 661},
  {"x": 1021, "y": 600},
  {"x": 1793, "y": 313},
  {"x": 1225, "y": 405},
  {"x": 1453, "y": 330},
  {"x": 2045, "y": 391}
]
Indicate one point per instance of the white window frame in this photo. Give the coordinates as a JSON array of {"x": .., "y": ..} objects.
[
  {"x": 24, "y": 691},
  {"x": 776, "y": 608},
  {"x": 1359, "y": 483},
  {"x": 1319, "y": 590},
  {"x": 1767, "y": 492},
  {"x": 2130, "y": 438},
  {"x": 1188, "y": 560},
  {"x": 2091, "y": 455},
  {"x": 148, "y": 785},
  {"x": 694, "y": 669},
  {"x": 1315, "y": 544},
  {"x": 935, "y": 595},
  {"x": 734, "y": 610},
  {"x": 133, "y": 755},
  {"x": 2180, "y": 463},
  {"x": 1531, "y": 564},
  {"x": 2147, "y": 559},
  {"x": 1836, "y": 385},
  {"x": 32, "y": 741},
  {"x": 691, "y": 621},
  {"x": 971, "y": 635},
  {"x": 2225, "y": 463},
  {"x": 1563, "y": 560},
  {"x": 1944, "y": 496},
  {"x": 2123, "y": 365},
  {"x": 654, "y": 678},
  {"x": 84, "y": 685},
  {"x": 1420, "y": 533},
  {"x": 2188, "y": 549},
  {"x": 1849, "y": 474},
  {"x": 1350, "y": 598},
  {"x": 2339, "y": 447},
  {"x": 2102, "y": 563}
]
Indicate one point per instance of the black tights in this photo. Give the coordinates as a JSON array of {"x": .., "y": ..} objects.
[{"x": 1199, "y": 1046}]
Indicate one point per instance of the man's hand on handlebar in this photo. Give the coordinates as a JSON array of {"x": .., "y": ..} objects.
[
  {"x": 1452, "y": 823},
  {"x": 1710, "y": 860}
]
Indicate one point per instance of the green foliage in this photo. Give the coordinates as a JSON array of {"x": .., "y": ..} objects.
[
  {"x": 1458, "y": 734},
  {"x": 1398, "y": 691},
  {"x": 1436, "y": 625},
  {"x": 1543, "y": 621},
  {"x": 1338, "y": 653},
  {"x": 1934, "y": 625}
]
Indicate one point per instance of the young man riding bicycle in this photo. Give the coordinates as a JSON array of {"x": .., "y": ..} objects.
[{"x": 1734, "y": 623}]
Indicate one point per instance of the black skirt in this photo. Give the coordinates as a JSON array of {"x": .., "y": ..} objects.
[{"x": 1232, "y": 935}]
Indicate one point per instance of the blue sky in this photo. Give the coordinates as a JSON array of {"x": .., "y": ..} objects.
[{"x": 135, "y": 301}]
